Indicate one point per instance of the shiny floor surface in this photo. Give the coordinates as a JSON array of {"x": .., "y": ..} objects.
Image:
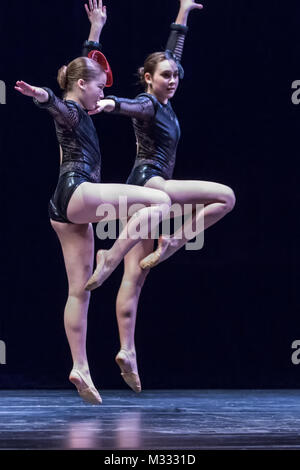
[{"x": 154, "y": 419}]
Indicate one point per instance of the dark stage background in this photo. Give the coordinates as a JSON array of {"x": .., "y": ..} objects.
[{"x": 222, "y": 317}]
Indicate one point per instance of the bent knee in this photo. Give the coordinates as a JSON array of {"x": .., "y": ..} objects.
[
  {"x": 164, "y": 200},
  {"x": 229, "y": 199}
]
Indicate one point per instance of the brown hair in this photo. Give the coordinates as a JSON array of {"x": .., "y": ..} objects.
[
  {"x": 80, "y": 68},
  {"x": 150, "y": 65}
]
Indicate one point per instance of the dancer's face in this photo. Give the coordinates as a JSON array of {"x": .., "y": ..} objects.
[
  {"x": 164, "y": 82},
  {"x": 92, "y": 91}
]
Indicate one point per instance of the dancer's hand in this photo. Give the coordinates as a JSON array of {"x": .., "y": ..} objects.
[
  {"x": 39, "y": 93},
  {"x": 104, "y": 105},
  {"x": 96, "y": 13},
  {"x": 188, "y": 5},
  {"x": 185, "y": 7}
]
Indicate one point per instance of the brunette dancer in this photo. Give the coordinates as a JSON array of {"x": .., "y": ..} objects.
[{"x": 157, "y": 132}]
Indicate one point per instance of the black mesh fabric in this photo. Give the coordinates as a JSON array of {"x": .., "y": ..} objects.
[{"x": 81, "y": 158}]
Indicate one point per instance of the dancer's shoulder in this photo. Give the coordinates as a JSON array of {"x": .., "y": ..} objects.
[{"x": 152, "y": 98}]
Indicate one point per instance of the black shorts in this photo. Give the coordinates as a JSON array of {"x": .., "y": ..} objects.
[
  {"x": 66, "y": 186},
  {"x": 141, "y": 174}
]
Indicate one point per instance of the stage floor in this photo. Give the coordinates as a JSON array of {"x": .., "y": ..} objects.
[{"x": 154, "y": 419}]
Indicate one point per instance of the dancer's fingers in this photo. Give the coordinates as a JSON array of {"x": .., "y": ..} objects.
[
  {"x": 23, "y": 86},
  {"x": 95, "y": 5},
  {"x": 20, "y": 84},
  {"x": 87, "y": 9},
  {"x": 99, "y": 109},
  {"x": 198, "y": 6},
  {"x": 91, "y": 5},
  {"x": 28, "y": 91}
]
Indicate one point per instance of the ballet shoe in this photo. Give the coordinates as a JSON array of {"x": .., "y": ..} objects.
[
  {"x": 131, "y": 378},
  {"x": 155, "y": 258},
  {"x": 96, "y": 280},
  {"x": 88, "y": 394}
]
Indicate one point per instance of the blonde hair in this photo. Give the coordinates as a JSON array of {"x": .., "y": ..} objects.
[{"x": 80, "y": 68}]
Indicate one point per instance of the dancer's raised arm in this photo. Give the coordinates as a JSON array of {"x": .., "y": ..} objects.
[
  {"x": 179, "y": 28},
  {"x": 97, "y": 16}
]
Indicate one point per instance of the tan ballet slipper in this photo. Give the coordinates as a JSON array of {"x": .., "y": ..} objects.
[
  {"x": 131, "y": 378},
  {"x": 157, "y": 256},
  {"x": 88, "y": 393},
  {"x": 98, "y": 277}
]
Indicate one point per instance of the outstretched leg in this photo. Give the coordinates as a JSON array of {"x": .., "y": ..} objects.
[
  {"x": 77, "y": 242},
  {"x": 89, "y": 198},
  {"x": 127, "y": 303},
  {"x": 217, "y": 200}
]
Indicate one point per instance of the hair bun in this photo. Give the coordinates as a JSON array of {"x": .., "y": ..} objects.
[
  {"x": 141, "y": 76},
  {"x": 141, "y": 72},
  {"x": 62, "y": 77}
]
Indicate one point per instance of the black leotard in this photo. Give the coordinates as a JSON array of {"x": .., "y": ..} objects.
[
  {"x": 155, "y": 125},
  {"x": 157, "y": 132},
  {"x": 81, "y": 158}
]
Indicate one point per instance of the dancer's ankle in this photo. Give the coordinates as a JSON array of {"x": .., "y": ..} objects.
[
  {"x": 82, "y": 367},
  {"x": 129, "y": 350}
]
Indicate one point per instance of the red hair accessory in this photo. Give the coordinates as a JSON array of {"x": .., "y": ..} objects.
[{"x": 102, "y": 60}]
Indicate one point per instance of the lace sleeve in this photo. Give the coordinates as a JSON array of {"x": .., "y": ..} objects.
[
  {"x": 89, "y": 46},
  {"x": 176, "y": 40},
  {"x": 143, "y": 107},
  {"x": 65, "y": 114}
]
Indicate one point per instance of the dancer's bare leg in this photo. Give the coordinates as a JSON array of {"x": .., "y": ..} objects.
[
  {"x": 127, "y": 303},
  {"x": 77, "y": 242},
  {"x": 83, "y": 207},
  {"x": 217, "y": 199}
]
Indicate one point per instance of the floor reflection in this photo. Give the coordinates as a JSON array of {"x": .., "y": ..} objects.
[
  {"x": 84, "y": 434},
  {"x": 128, "y": 430},
  {"x": 124, "y": 430}
]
